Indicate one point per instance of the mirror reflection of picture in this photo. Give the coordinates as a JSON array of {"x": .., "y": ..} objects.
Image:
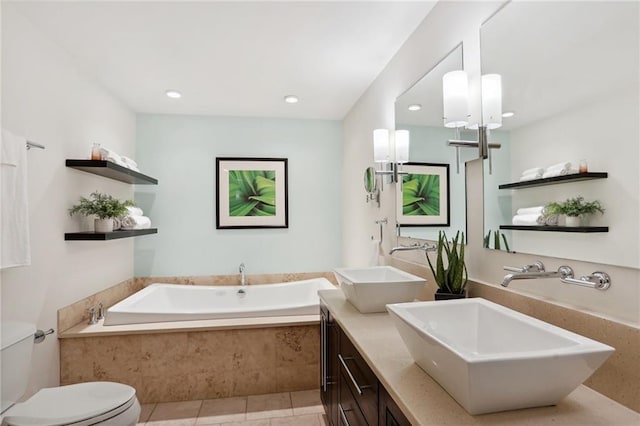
[{"x": 424, "y": 197}]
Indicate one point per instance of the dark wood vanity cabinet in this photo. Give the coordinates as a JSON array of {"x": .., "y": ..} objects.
[
  {"x": 329, "y": 341},
  {"x": 389, "y": 413},
  {"x": 349, "y": 389}
]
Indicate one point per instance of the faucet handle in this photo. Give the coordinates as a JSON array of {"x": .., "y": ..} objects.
[
  {"x": 93, "y": 315},
  {"x": 535, "y": 267}
]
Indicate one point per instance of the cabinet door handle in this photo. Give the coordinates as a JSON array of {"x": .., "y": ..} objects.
[
  {"x": 343, "y": 415},
  {"x": 353, "y": 380}
]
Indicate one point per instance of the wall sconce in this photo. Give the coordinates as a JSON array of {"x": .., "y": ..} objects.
[
  {"x": 455, "y": 97},
  {"x": 381, "y": 153}
]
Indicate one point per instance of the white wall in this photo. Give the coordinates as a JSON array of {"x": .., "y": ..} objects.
[
  {"x": 180, "y": 151},
  {"x": 444, "y": 28},
  {"x": 48, "y": 100}
]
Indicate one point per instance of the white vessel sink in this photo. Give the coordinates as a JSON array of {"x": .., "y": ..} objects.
[
  {"x": 370, "y": 289},
  {"x": 491, "y": 358}
]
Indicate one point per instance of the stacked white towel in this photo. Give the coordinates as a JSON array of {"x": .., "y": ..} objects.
[
  {"x": 526, "y": 219},
  {"x": 531, "y": 174},
  {"x": 15, "y": 249},
  {"x": 135, "y": 219},
  {"x": 533, "y": 216},
  {"x": 560, "y": 169},
  {"x": 121, "y": 160}
]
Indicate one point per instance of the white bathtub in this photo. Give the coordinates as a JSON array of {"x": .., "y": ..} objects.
[{"x": 173, "y": 302}]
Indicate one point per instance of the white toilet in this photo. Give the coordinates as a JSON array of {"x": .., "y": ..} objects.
[{"x": 83, "y": 404}]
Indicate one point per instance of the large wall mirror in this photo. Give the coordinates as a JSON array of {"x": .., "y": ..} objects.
[
  {"x": 570, "y": 75},
  {"x": 419, "y": 110}
]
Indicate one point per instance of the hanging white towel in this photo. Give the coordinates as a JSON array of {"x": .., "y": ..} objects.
[
  {"x": 375, "y": 253},
  {"x": 14, "y": 222}
]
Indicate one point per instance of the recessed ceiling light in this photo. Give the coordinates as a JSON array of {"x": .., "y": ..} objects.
[
  {"x": 508, "y": 114},
  {"x": 291, "y": 99},
  {"x": 415, "y": 107},
  {"x": 174, "y": 94}
]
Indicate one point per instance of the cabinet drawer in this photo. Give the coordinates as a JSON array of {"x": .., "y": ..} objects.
[
  {"x": 349, "y": 413},
  {"x": 360, "y": 379}
]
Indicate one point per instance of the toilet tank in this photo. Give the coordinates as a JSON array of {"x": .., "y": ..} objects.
[{"x": 15, "y": 360}]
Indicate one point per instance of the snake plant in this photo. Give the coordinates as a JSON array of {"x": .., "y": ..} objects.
[{"x": 453, "y": 278}]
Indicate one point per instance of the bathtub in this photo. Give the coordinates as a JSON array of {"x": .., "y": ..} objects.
[{"x": 173, "y": 302}]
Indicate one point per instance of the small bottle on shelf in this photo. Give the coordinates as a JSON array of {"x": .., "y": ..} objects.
[
  {"x": 95, "y": 152},
  {"x": 583, "y": 168}
]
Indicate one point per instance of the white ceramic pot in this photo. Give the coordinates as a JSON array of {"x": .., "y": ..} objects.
[
  {"x": 573, "y": 221},
  {"x": 103, "y": 225}
]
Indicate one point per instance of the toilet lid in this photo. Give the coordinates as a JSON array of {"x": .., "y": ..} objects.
[{"x": 69, "y": 404}]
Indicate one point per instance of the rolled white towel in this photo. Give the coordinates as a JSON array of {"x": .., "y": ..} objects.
[
  {"x": 526, "y": 219},
  {"x": 566, "y": 165},
  {"x": 559, "y": 172},
  {"x": 551, "y": 220},
  {"x": 530, "y": 210},
  {"x": 129, "y": 162},
  {"x": 135, "y": 211},
  {"x": 136, "y": 222},
  {"x": 530, "y": 176},
  {"x": 108, "y": 155},
  {"x": 117, "y": 223},
  {"x": 534, "y": 171}
]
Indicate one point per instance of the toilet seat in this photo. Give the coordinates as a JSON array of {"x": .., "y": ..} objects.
[{"x": 80, "y": 404}]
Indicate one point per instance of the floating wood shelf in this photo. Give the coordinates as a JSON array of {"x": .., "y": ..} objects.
[
  {"x": 576, "y": 177},
  {"x": 111, "y": 171},
  {"x": 103, "y": 236},
  {"x": 580, "y": 229}
]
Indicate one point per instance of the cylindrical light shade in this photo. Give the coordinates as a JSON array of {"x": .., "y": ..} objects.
[
  {"x": 402, "y": 146},
  {"x": 455, "y": 99},
  {"x": 381, "y": 145},
  {"x": 492, "y": 101}
]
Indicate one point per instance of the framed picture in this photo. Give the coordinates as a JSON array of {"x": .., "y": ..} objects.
[
  {"x": 251, "y": 193},
  {"x": 424, "y": 196}
]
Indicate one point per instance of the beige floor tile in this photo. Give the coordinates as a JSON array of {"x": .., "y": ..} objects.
[
  {"x": 183, "y": 413},
  {"x": 222, "y": 410},
  {"x": 324, "y": 421},
  {"x": 304, "y": 420},
  {"x": 145, "y": 413},
  {"x": 269, "y": 406},
  {"x": 259, "y": 422},
  {"x": 306, "y": 402}
]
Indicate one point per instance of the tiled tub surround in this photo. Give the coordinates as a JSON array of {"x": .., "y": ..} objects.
[
  {"x": 192, "y": 360},
  {"x": 76, "y": 313},
  {"x": 618, "y": 378},
  {"x": 180, "y": 366}
]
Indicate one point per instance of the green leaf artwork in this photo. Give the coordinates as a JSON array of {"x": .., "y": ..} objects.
[
  {"x": 421, "y": 195},
  {"x": 252, "y": 193}
]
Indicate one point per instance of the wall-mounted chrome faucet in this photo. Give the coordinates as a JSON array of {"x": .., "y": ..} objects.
[
  {"x": 243, "y": 280},
  {"x": 598, "y": 280},
  {"x": 417, "y": 246}
]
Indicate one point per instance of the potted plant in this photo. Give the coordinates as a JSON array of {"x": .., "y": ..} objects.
[
  {"x": 452, "y": 279},
  {"x": 576, "y": 210},
  {"x": 104, "y": 206}
]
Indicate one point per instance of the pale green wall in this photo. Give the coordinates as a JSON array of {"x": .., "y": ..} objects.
[{"x": 180, "y": 152}]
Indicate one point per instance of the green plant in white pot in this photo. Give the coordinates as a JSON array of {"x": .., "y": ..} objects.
[
  {"x": 576, "y": 210},
  {"x": 452, "y": 277},
  {"x": 104, "y": 206}
]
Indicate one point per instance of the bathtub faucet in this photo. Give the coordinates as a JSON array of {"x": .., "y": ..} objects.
[{"x": 243, "y": 280}]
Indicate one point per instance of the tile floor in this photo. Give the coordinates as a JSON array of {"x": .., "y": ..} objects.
[{"x": 302, "y": 408}]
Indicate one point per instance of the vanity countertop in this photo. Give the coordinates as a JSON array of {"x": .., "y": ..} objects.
[{"x": 424, "y": 402}]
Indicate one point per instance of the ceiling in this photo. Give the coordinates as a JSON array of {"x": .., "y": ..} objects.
[{"x": 231, "y": 58}]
